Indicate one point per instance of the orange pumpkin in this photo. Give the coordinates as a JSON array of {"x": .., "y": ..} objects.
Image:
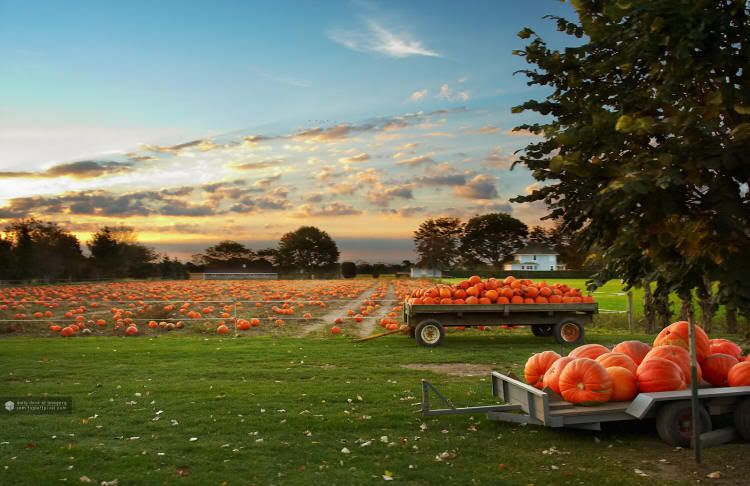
[
  {"x": 335, "y": 330},
  {"x": 725, "y": 346},
  {"x": 67, "y": 331},
  {"x": 660, "y": 374},
  {"x": 617, "y": 359},
  {"x": 624, "y": 384},
  {"x": 676, "y": 334},
  {"x": 716, "y": 368},
  {"x": 739, "y": 375},
  {"x": 585, "y": 382},
  {"x": 591, "y": 351},
  {"x": 678, "y": 356},
  {"x": 537, "y": 365},
  {"x": 552, "y": 376},
  {"x": 637, "y": 350}
]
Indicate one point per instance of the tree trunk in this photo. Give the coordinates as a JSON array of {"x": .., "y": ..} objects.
[
  {"x": 686, "y": 308},
  {"x": 663, "y": 306},
  {"x": 649, "y": 308},
  {"x": 707, "y": 304},
  {"x": 731, "y": 319}
]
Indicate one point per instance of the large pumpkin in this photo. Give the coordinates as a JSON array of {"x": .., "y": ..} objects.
[
  {"x": 585, "y": 382},
  {"x": 591, "y": 351},
  {"x": 552, "y": 376},
  {"x": 637, "y": 350},
  {"x": 617, "y": 359},
  {"x": 716, "y": 368},
  {"x": 678, "y": 356},
  {"x": 624, "y": 384},
  {"x": 676, "y": 334},
  {"x": 659, "y": 374},
  {"x": 739, "y": 375},
  {"x": 537, "y": 366},
  {"x": 725, "y": 346}
]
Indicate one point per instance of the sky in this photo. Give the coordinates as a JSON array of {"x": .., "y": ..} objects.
[{"x": 195, "y": 122}]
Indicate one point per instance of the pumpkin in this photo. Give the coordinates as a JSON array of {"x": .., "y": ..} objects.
[
  {"x": 637, "y": 350},
  {"x": 617, "y": 359},
  {"x": 660, "y": 374},
  {"x": 591, "y": 351},
  {"x": 585, "y": 382},
  {"x": 552, "y": 376},
  {"x": 624, "y": 384},
  {"x": 725, "y": 346},
  {"x": 716, "y": 368},
  {"x": 131, "y": 331},
  {"x": 676, "y": 334},
  {"x": 739, "y": 375},
  {"x": 335, "y": 330},
  {"x": 223, "y": 329},
  {"x": 537, "y": 365},
  {"x": 66, "y": 331},
  {"x": 677, "y": 355}
]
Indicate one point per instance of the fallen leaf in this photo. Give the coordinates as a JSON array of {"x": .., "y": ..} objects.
[
  {"x": 85, "y": 479},
  {"x": 714, "y": 475}
]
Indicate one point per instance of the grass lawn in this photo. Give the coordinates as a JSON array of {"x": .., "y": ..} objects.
[{"x": 280, "y": 410}]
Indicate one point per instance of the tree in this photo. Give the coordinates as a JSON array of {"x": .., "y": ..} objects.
[
  {"x": 44, "y": 250},
  {"x": 645, "y": 155},
  {"x": 7, "y": 260},
  {"x": 437, "y": 241},
  {"x": 348, "y": 270},
  {"x": 309, "y": 249},
  {"x": 492, "y": 238},
  {"x": 116, "y": 253},
  {"x": 545, "y": 236},
  {"x": 226, "y": 251}
]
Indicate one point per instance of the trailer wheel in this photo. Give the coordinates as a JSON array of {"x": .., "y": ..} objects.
[
  {"x": 541, "y": 331},
  {"x": 430, "y": 333},
  {"x": 742, "y": 419},
  {"x": 674, "y": 423},
  {"x": 569, "y": 331}
]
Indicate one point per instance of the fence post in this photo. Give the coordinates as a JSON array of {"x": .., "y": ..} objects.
[
  {"x": 630, "y": 311},
  {"x": 234, "y": 302}
]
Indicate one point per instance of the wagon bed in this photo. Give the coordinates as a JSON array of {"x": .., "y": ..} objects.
[
  {"x": 525, "y": 404},
  {"x": 565, "y": 322}
]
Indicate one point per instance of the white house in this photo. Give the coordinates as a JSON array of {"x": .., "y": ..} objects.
[
  {"x": 535, "y": 257},
  {"x": 423, "y": 270}
]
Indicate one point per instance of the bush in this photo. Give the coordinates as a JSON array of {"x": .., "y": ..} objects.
[{"x": 348, "y": 270}]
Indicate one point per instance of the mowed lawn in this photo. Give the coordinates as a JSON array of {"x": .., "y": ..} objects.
[{"x": 283, "y": 410}]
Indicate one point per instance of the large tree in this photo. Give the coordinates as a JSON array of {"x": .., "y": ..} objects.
[
  {"x": 645, "y": 151},
  {"x": 115, "y": 252},
  {"x": 225, "y": 252},
  {"x": 437, "y": 241},
  {"x": 44, "y": 250},
  {"x": 492, "y": 238},
  {"x": 309, "y": 249}
]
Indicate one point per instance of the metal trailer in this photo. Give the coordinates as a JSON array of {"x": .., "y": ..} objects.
[
  {"x": 565, "y": 322},
  {"x": 524, "y": 404}
]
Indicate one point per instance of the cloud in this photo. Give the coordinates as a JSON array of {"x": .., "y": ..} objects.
[
  {"x": 485, "y": 130},
  {"x": 326, "y": 135},
  {"x": 418, "y": 95},
  {"x": 481, "y": 186},
  {"x": 361, "y": 157},
  {"x": 497, "y": 160},
  {"x": 414, "y": 161},
  {"x": 266, "y": 182},
  {"x": 263, "y": 164},
  {"x": 324, "y": 174},
  {"x": 383, "y": 195},
  {"x": 447, "y": 94},
  {"x": 484, "y": 207},
  {"x": 202, "y": 145},
  {"x": 376, "y": 38},
  {"x": 407, "y": 146},
  {"x": 442, "y": 180},
  {"x": 333, "y": 209},
  {"x": 85, "y": 169}
]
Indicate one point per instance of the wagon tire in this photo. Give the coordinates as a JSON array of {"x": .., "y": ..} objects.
[
  {"x": 430, "y": 333},
  {"x": 742, "y": 419},
  {"x": 674, "y": 423},
  {"x": 541, "y": 331},
  {"x": 569, "y": 331}
]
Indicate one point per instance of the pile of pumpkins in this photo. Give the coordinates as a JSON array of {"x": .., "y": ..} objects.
[
  {"x": 592, "y": 374},
  {"x": 498, "y": 291}
]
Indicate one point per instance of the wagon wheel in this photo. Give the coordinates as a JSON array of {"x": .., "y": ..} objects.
[
  {"x": 674, "y": 423},
  {"x": 541, "y": 331},
  {"x": 742, "y": 419},
  {"x": 569, "y": 331},
  {"x": 429, "y": 333}
]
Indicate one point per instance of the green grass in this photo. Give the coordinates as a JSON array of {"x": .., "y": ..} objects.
[{"x": 277, "y": 410}]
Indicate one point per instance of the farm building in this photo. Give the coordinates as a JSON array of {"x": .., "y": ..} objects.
[
  {"x": 424, "y": 270},
  {"x": 535, "y": 257}
]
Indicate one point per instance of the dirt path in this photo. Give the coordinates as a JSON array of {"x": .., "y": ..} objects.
[
  {"x": 327, "y": 319},
  {"x": 369, "y": 325}
]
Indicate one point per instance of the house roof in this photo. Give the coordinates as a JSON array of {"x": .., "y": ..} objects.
[{"x": 536, "y": 249}]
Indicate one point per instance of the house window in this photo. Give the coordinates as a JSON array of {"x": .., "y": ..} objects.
[
  {"x": 534, "y": 257},
  {"x": 551, "y": 267}
]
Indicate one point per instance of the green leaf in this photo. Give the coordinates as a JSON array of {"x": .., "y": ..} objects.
[
  {"x": 525, "y": 33},
  {"x": 742, "y": 110},
  {"x": 714, "y": 98},
  {"x": 517, "y": 109},
  {"x": 657, "y": 24},
  {"x": 624, "y": 124},
  {"x": 624, "y": 5},
  {"x": 741, "y": 131}
]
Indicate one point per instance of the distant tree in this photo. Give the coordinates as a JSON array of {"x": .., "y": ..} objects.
[
  {"x": 545, "y": 236},
  {"x": 363, "y": 268},
  {"x": 115, "y": 252},
  {"x": 271, "y": 255},
  {"x": 348, "y": 270},
  {"x": 7, "y": 260},
  {"x": 172, "y": 269},
  {"x": 44, "y": 250},
  {"x": 378, "y": 269},
  {"x": 406, "y": 265},
  {"x": 492, "y": 238},
  {"x": 437, "y": 241},
  {"x": 309, "y": 249},
  {"x": 225, "y": 252}
]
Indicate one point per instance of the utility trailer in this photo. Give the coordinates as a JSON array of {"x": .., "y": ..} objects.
[
  {"x": 524, "y": 404},
  {"x": 565, "y": 322}
]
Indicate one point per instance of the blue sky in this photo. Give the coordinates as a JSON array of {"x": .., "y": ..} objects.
[{"x": 117, "y": 84}]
